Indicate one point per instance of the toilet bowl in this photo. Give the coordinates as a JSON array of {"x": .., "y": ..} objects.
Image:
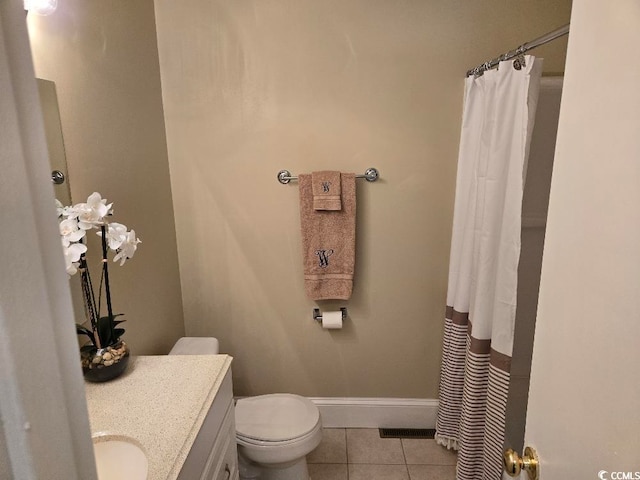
[{"x": 274, "y": 433}]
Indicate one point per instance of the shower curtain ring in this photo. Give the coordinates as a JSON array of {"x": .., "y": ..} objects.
[{"x": 519, "y": 62}]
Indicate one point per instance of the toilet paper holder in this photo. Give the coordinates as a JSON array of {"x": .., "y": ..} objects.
[{"x": 317, "y": 316}]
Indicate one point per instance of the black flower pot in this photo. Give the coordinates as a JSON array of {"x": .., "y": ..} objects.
[{"x": 103, "y": 364}]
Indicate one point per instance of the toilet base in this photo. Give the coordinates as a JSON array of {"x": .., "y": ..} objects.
[{"x": 289, "y": 471}]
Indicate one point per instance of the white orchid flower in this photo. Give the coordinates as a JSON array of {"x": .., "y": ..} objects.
[
  {"x": 59, "y": 208},
  {"x": 63, "y": 211},
  {"x": 127, "y": 248},
  {"x": 92, "y": 213},
  {"x": 75, "y": 220},
  {"x": 116, "y": 235},
  {"x": 70, "y": 231},
  {"x": 72, "y": 255}
]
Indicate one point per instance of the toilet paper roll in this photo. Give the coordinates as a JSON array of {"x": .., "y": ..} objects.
[{"x": 332, "y": 319}]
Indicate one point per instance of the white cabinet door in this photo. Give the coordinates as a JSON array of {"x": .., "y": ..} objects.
[
  {"x": 223, "y": 462},
  {"x": 214, "y": 448}
]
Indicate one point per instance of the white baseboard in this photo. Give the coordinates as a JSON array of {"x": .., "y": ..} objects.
[{"x": 377, "y": 412}]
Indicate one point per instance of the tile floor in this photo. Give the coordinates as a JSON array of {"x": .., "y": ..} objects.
[{"x": 360, "y": 454}]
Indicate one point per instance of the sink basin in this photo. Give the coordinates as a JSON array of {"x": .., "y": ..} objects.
[{"x": 119, "y": 457}]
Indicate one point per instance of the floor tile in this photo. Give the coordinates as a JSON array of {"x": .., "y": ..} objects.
[
  {"x": 378, "y": 472},
  {"x": 364, "y": 445},
  {"x": 332, "y": 449},
  {"x": 431, "y": 472},
  {"x": 427, "y": 452},
  {"x": 328, "y": 471}
]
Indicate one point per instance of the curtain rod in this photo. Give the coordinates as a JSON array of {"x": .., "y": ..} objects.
[{"x": 525, "y": 47}]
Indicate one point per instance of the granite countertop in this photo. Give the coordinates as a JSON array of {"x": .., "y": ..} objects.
[{"x": 161, "y": 402}]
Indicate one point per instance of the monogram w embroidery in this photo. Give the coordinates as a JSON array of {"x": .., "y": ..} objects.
[
  {"x": 323, "y": 257},
  {"x": 325, "y": 186}
]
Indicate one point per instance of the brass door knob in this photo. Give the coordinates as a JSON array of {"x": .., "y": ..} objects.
[{"x": 514, "y": 464}]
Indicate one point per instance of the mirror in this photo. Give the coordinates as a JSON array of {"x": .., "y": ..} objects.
[
  {"x": 58, "y": 163},
  {"x": 55, "y": 140},
  {"x": 103, "y": 58}
]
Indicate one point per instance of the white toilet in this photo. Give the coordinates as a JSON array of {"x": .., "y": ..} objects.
[{"x": 274, "y": 432}]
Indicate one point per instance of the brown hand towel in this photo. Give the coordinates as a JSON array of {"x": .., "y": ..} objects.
[
  {"x": 326, "y": 190},
  {"x": 328, "y": 242}
]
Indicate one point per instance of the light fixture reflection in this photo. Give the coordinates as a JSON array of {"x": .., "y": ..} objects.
[{"x": 41, "y": 7}]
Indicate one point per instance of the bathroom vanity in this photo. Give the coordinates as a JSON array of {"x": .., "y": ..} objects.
[{"x": 178, "y": 408}]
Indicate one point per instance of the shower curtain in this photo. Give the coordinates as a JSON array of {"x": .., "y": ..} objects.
[{"x": 497, "y": 122}]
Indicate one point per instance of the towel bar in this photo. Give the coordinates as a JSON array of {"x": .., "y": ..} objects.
[
  {"x": 317, "y": 316},
  {"x": 370, "y": 175}
]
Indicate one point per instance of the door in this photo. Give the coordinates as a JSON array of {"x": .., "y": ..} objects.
[
  {"x": 55, "y": 141},
  {"x": 583, "y": 413}
]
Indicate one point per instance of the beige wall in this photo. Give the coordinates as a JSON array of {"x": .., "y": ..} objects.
[
  {"x": 252, "y": 87},
  {"x": 103, "y": 58}
]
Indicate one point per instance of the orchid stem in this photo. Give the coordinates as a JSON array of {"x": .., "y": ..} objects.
[
  {"x": 89, "y": 299},
  {"x": 105, "y": 271}
]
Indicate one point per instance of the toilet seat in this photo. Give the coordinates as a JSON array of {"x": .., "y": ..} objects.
[
  {"x": 252, "y": 442},
  {"x": 275, "y": 419}
]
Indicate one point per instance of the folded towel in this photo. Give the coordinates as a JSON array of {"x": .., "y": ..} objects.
[
  {"x": 326, "y": 190},
  {"x": 328, "y": 242}
]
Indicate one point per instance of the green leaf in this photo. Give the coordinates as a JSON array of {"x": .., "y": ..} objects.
[
  {"x": 89, "y": 347},
  {"x": 107, "y": 332},
  {"x": 80, "y": 330}
]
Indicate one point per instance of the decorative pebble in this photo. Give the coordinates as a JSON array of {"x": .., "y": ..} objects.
[
  {"x": 97, "y": 359},
  {"x": 107, "y": 356},
  {"x": 108, "y": 363}
]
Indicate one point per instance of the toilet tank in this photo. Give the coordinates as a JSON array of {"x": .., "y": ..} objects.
[{"x": 196, "y": 346}]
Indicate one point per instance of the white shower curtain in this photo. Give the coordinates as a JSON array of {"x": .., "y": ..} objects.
[{"x": 485, "y": 248}]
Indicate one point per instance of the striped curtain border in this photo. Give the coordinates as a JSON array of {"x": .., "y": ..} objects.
[{"x": 474, "y": 386}]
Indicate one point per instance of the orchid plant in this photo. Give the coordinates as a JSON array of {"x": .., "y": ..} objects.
[{"x": 75, "y": 221}]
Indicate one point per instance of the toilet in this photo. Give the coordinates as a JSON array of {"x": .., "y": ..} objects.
[{"x": 274, "y": 432}]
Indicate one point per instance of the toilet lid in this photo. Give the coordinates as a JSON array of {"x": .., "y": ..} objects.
[{"x": 276, "y": 417}]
